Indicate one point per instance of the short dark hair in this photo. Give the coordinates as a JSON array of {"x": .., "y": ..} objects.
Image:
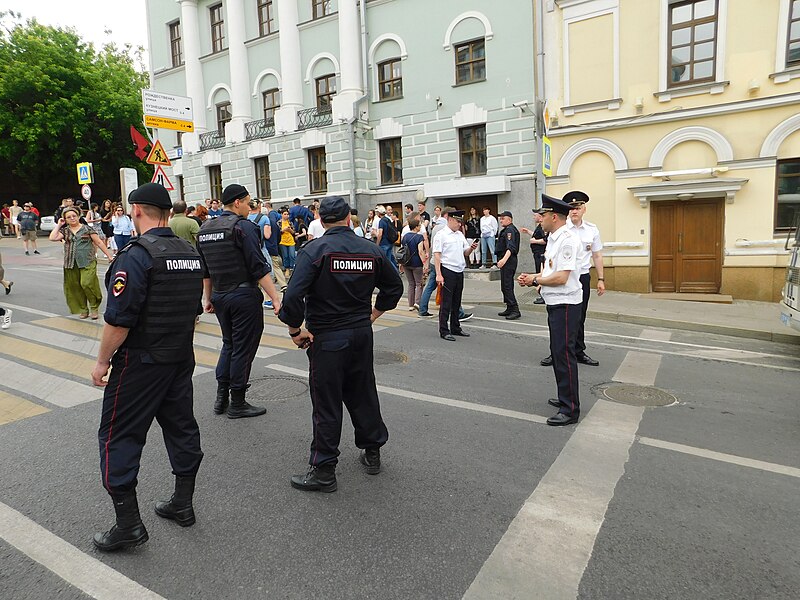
[
  {"x": 296, "y": 200},
  {"x": 179, "y": 207},
  {"x": 409, "y": 206}
]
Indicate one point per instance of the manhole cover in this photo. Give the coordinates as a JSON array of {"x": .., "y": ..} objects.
[
  {"x": 387, "y": 357},
  {"x": 273, "y": 389},
  {"x": 637, "y": 395}
]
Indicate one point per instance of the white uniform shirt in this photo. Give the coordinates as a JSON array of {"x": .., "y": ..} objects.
[
  {"x": 589, "y": 236},
  {"x": 489, "y": 226},
  {"x": 316, "y": 229},
  {"x": 452, "y": 245},
  {"x": 561, "y": 254}
]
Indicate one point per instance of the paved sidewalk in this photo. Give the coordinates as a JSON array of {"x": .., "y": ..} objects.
[{"x": 743, "y": 318}]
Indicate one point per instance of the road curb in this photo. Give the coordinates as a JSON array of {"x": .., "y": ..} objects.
[{"x": 740, "y": 332}]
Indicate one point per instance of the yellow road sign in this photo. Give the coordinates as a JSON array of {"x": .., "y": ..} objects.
[
  {"x": 166, "y": 123},
  {"x": 158, "y": 156},
  {"x": 85, "y": 173}
]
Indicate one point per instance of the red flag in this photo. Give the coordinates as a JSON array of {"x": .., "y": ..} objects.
[{"x": 140, "y": 142}]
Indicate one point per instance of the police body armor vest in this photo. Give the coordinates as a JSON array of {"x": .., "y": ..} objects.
[
  {"x": 166, "y": 325},
  {"x": 224, "y": 260}
]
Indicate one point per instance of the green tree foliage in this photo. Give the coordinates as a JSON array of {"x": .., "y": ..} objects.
[{"x": 63, "y": 102}]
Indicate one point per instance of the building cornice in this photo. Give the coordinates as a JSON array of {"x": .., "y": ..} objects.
[{"x": 678, "y": 115}]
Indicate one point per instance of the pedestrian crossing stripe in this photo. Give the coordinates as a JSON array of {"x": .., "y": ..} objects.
[
  {"x": 61, "y": 354},
  {"x": 14, "y": 408}
]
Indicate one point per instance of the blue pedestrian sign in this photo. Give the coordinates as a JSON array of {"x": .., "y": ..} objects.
[{"x": 85, "y": 173}]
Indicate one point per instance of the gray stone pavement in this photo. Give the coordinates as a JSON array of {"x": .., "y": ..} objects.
[{"x": 742, "y": 318}]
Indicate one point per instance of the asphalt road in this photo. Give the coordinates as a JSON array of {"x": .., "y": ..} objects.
[{"x": 477, "y": 497}]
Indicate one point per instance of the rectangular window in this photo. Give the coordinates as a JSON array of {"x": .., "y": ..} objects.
[
  {"x": 471, "y": 61},
  {"x": 787, "y": 197},
  {"x": 692, "y": 42},
  {"x": 321, "y": 8},
  {"x": 263, "y": 190},
  {"x": 472, "y": 148},
  {"x": 175, "y": 43},
  {"x": 217, "y": 28},
  {"x": 326, "y": 90},
  {"x": 266, "y": 17},
  {"x": 223, "y": 116},
  {"x": 391, "y": 161},
  {"x": 793, "y": 39},
  {"x": 272, "y": 100},
  {"x": 390, "y": 79},
  {"x": 317, "y": 173},
  {"x": 215, "y": 182}
]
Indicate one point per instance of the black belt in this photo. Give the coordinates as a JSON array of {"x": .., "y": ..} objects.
[{"x": 246, "y": 284}]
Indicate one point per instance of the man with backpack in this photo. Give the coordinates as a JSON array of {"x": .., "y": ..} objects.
[
  {"x": 263, "y": 224},
  {"x": 386, "y": 234},
  {"x": 271, "y": 245}
]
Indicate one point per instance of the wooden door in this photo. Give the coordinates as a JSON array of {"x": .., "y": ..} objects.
[{"x": 686, "y": 246}]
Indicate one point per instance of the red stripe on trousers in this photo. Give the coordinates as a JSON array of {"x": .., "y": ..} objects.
[{"x": 113, "y": 416}]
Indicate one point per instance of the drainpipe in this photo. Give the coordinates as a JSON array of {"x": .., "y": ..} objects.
[
  {"x": 357, "y": 102},
  {"x": 539, "y": 96}
]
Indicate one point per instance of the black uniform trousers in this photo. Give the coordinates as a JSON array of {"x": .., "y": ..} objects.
[
  {"x": 538, "y": 261},
  {"x": 341, "y": 372},
  {"x": 563, "y": 320},
  {"x": 136, "y": 393},
  {"x": 580, "y": 344},
  {"x": 507, "y": 282},
  {"x": 452, "y": 290},
  {"x": 241, "y": 317}
]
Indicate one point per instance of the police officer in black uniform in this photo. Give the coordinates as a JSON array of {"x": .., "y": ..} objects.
[
  {"x": 154, "y": 288},
  {"x": 231, "y": 248},
  {"x": 331, "y": 289},
  {"x": 507, "y": 249}
]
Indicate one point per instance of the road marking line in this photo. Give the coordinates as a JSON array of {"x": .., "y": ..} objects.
[
  {"x": 14, "y": 408},
  {"x": 656, "y": 334},
  {"x": 639, "y": 368},
  {"x": 33, "y": 311},
  {"x": 44, "y": 386},
  {"x": 503, "y": 412},
  {"x": 640, "y": 338},
  {"x": 719, "y": 456},
  {"x": 70, "y": 564},
  {"x": 537, "y": 334},
  {"x": 69, "y": 363},
  {"x": 90, "y": 329},
  {"x": 54, "y": 337},
  {"x": 547, "y": 546}
]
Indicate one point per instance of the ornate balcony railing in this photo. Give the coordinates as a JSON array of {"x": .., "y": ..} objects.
[
  {"x": 255, "y": 130},
  {"x": 314, "y": 117},
  {"x": 212, "y": 139}
]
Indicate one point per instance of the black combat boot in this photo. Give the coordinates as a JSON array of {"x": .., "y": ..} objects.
[
  {"x": 221, "y": 403},
  {"x": 371, "y": 459},
  {"x": 318, "y": 479},
  {"x": 179, "y": 508},
  {"x": 239, "y": 408},
  {"x": 128, "y": 531}
]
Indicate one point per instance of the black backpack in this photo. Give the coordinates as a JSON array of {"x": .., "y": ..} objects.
[{"x": 391, "y": 231}]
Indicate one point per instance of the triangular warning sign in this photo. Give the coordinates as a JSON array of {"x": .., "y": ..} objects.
[
  {"x": 158, "y": 156},
  {"x": 161, "y": 178}
]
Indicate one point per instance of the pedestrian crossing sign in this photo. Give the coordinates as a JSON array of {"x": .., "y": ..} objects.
[
  {"x": 158, "y": 156},
  {"x": 85, "y": 173}
]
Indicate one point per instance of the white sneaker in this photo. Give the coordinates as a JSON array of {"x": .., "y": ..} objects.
[{"x": 5, "y": 320}]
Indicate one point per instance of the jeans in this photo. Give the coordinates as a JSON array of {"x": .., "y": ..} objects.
[
  {"x": 426, "y": 295},
  {"x": 121, "y": 240},
  {"x": 389, "y": 252},
  {"x": 288, "y": 254},
  {"x": 487, "y": 251}
]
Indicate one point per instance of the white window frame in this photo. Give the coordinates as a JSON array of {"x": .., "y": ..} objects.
[
  {"x": 783, "y": 74},
  {"x": 665, "y": 94}
]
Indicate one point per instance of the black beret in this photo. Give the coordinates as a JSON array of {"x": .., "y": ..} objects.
[
  {"x": 234, "y": 192},
  {"x": 153, "y": 194},
  {"x": 576, "y": 196},
  {"x": 333, "y": 209},
  {"x": 506, "y": 213}
]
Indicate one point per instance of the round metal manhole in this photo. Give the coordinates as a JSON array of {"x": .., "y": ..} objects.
[
  {"x": 637, "y": 395},
  {"x": 388, "y": 357},
  {"x": 275, "y": 388}
]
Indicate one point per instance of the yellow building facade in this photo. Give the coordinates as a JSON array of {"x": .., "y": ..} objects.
[{"x": 681, "y": 120}]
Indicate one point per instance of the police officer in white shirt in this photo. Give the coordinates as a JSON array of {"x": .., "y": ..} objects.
[
  {"x": 450, "y": 249},
  {"x": 560, "y": 286},
  {"x": 591, "y": 251}
]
